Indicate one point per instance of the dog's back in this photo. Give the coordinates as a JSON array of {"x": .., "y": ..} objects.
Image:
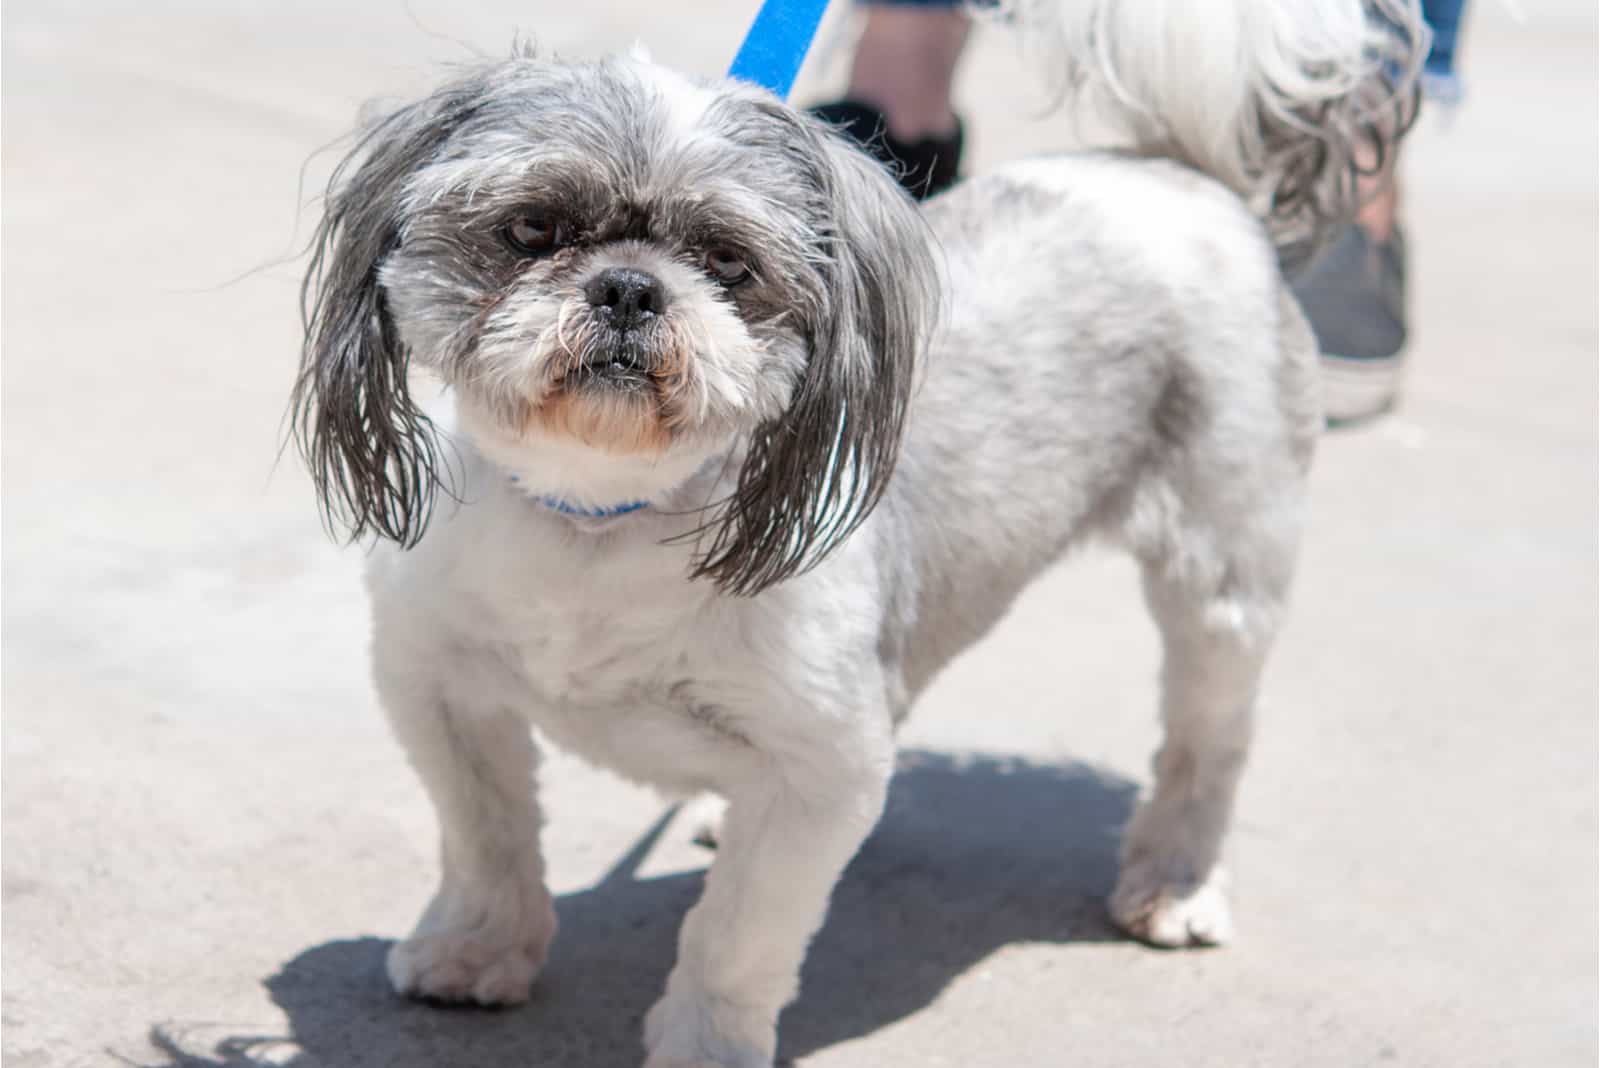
[{"x": 1118, "y": 337}]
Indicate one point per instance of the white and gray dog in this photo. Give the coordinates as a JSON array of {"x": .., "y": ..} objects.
[{"x": 743, "y": 448}]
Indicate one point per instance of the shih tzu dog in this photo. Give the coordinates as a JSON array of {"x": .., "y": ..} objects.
[{"x": 741, "y": 447}]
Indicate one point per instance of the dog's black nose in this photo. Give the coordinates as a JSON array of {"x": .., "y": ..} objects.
[{"x": 625, "y": 296}]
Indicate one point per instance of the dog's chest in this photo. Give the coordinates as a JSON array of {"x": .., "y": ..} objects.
[{"x": 626, "y": 675}]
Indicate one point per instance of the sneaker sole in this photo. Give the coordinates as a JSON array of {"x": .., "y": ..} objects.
[{"x": 1354, "y": 390}]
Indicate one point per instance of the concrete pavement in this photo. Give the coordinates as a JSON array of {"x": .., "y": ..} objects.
[{"x": 209, "y": 836}]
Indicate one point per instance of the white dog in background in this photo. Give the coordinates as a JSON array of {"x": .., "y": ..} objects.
[{"x": 745, "y": 448}]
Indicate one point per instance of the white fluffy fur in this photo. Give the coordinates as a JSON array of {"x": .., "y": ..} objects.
[
  {"x": 1119, "y": 358},
  {"x": 784, "y": 703},
  {"x": 1230, "y": 86}
]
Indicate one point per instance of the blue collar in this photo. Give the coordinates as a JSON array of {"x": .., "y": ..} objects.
[
  {"x": 566, "y": 507},
  {"x": 556, "y": 504}
]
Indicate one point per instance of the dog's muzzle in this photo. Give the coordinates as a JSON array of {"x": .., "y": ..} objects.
[{"x": 627, "y": 303}]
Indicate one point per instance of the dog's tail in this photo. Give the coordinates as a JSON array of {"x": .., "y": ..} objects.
[{"x": 1284, "y": 101}]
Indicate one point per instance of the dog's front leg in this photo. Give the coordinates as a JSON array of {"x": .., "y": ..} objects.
[
  {"x": 789, "y": 831},
  {"x": 484, "y": 936}
]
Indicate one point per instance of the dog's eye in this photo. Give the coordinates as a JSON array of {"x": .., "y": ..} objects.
[
  {"x": 727, "y": 266},
  {"x": 535, "y": 233}
]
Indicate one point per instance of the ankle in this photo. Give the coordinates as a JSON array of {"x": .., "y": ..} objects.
[{"x": 905, "y": 68}]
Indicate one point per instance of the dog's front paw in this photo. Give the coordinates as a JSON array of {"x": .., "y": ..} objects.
[
  {"x": 1155, "y": 908},
  {"x": 689, "y": 1028},
  {"x": 458, "y": 954}
]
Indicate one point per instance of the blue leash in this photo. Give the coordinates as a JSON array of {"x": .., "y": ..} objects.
[{"x": 777, "y": 43}]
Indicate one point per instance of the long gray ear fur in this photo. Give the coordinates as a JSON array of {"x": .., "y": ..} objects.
[
  {"x": 812, "y": 475},
  {"x": 372, "y": 453}
]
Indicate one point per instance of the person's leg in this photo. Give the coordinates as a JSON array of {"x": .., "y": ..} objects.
[
  {"x": 898, "y": 101},
  {"x": 1439, "y": 77},
  {"x": 1380, "y": 206},
  {"x": 905, "y": 65},
  {"x": 1354, "y": 294}
]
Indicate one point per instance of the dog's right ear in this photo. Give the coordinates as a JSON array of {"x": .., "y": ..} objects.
[{"x": 371, "y": 451}]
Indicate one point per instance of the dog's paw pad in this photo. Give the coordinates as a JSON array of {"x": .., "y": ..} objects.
[
  {"x": 1173, "y": 916},
  {"x": 468, "y": 966}
]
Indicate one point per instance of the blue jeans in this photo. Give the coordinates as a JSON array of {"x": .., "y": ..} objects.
[{"x": 1439, "y": 77}]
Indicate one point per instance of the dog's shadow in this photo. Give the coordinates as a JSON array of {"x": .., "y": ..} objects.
[{"x": 972, "y": 854}]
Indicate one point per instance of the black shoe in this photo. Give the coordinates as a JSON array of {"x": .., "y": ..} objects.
[
  {"x": 925, "y": 168},
  {"x": 1354, "y": 295}
]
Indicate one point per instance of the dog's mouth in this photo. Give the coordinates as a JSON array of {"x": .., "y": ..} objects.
[
  {"x": 624, "y": 362},
  {"x": 611, "y": 359},
  {"x": 619, "y": 392},
  {"x": 612, "y": 384}
]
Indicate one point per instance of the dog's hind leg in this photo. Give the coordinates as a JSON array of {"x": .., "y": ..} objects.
[
  {"x": 1172, "y": 890},
  {"x": 1216, "y": 531}
]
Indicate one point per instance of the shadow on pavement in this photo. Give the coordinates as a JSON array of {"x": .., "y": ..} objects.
[{"x": 972, "y": 854}]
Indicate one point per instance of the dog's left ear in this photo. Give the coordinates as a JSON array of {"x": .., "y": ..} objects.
[
  {"x": 813, "y": 474},
  {"x": 372, "y": 452}
]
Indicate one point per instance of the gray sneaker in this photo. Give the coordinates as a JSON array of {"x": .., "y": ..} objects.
[{"x": 1354, "y": 295}]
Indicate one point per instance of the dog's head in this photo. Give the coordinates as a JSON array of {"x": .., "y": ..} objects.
[{"x": 613, "y": 257}]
